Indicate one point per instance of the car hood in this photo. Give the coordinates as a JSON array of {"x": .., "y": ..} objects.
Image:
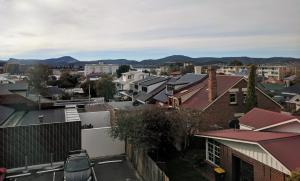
[{"x": 78, "y": 176}]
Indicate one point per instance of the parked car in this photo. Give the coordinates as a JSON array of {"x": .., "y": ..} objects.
[{"x": 78, "y": 166}]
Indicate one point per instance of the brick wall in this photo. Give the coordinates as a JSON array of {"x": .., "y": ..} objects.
[
  {"x": 261, "y": 171},
  {"x": 220, "y": 112}
]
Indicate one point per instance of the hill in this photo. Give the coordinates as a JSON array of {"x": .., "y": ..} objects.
[{"x": 68, "y": 60}]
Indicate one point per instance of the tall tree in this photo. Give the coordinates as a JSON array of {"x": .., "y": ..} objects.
[
  {"x": 67, "y": 80},
  {"x": 122, "y": 69},
  {"x": 236, "y": 63},
  {"x": 105, "y": 87},
  {"x": 38, "y": 77},
  {"x": 89, "y": 86},
  {"x": 251, "y": 99}
]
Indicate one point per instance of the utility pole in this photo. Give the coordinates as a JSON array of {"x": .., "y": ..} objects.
[{"x": 90, "y": 93}]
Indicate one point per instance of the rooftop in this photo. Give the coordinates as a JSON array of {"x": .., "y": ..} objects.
[
  {"x": 259, "y": 118},
  {"x": 283, "y": 146},
  {"x": 200, "y": 98},
  {"x": 245, "y": 135}
]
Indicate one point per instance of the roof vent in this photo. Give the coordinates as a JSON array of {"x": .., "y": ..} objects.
[{"x": 41, "y": 118}]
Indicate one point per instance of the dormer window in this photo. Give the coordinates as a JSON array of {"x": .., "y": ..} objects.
[{"x": 170, "y": 87}]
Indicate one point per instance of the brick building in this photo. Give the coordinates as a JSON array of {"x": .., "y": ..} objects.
[
  {"x": 220, "y": 98},
  {"x": 264, "y": 149},
  {"x": 253, "y": 155}
]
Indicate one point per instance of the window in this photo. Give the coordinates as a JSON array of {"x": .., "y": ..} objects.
[
  {"x": 136, "y": 86},
  {"x": 244, "y": 97},
  {"x": 232, "y": 98},
  {"x": 213, "y": 151},
  {"x": 144, "y": 89},
  {"x": 129, "y": 77}
]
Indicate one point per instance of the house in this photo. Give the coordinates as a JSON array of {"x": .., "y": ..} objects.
[
  {"x": 264, "y": 120},
  {"x": 144, "y": 90},
  {"x": 291, "y": 97},
  {"x": 252, "y": 155},
  {"x": 124, "y": 83},
  {"x": 176, "y": 84},
  {"x": 220, "y": 98}
]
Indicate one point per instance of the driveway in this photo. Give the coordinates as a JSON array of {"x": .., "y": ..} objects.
[{"x": 115, "y": 168}]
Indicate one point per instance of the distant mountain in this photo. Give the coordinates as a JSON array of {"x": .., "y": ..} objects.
[
  {"x": 68, "y": 60},
  {"x": 61, "y": 61}
]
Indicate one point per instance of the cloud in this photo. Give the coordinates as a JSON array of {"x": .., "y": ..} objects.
[{"x": 76, "y": 26}]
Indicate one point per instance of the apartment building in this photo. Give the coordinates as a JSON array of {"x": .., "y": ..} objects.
[
  {"x": 100, "y": 68},
  {"x": 276, "y": 72}
]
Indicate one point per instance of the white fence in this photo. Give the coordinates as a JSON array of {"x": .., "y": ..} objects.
[{"x": 98, "y": 143}]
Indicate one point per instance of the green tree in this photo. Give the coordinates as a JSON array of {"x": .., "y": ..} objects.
[
  {"x": 105, "y": 87},
  {"x": 67, "y": 80},
  {"x": 149, "y": 128},
  {"x": 156, "y": 129},
  {"x": 295, "y": 176},
  {"x": 38, "y": 77},
  {"x": 251, "y": 98},
  {"x": 236, "y": 63},
  {"x": 85, "y": 87},
  {"x": 122, "y": 69}
]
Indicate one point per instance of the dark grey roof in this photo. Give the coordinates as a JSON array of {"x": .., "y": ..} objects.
[
  {"x": 50, "y": 116},
  {"x": 4, "y": 91},
  {"x": 191, "y": 78},
  {"x": 52, "y": 91},
  {"x": 294, "y": 89},
  {"x": 19, "y": 86},
  {"x": 154, "y": 81},
  {"x": 142, "y": 96},
  {"x": 5, "y": 112},
  {"x": 162, "y": 96}
]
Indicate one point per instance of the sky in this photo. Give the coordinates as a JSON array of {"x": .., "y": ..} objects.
[{"x": 145, "y": 29}]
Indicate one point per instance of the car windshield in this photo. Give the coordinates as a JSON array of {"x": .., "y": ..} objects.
[{"x": 77, "y": 164}]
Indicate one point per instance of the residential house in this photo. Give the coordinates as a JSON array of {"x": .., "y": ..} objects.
[
  {"x": 176, "y": 84},
  {"x": 263, "y": 149},
  {"x": 220, "y": 98},
  {"x": 144, "y": 90},
  {"x": 264, "y": 120},
  {"x": 291, "y": 97},
  {"x": 252, "y": 155},
  {"x": 124, "y": 83}
]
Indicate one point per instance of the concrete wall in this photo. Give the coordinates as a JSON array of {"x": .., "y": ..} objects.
[
  {"x": 97, "y": 119},
  {"x": 98, "y": 143}
]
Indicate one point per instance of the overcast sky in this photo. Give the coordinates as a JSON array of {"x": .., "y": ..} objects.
[{"x": 142, "y": 29}]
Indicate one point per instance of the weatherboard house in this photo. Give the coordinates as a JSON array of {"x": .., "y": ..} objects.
[{"x": 266, "y": 147}]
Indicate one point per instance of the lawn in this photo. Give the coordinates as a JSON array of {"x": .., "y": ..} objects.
[{"x": 179, "y": 169}]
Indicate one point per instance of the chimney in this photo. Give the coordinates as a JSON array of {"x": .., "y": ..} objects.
[
  {"x": 212, "y": 83},
  {"x": 41, "y": 119}
]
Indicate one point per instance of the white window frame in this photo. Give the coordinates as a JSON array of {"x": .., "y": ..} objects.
[
  {"x": 235, "y": 95},
  {"x": 213, "y": 152}
]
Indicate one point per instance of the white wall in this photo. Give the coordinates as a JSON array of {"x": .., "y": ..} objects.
[
  {"x": 97, "y": 119},
  {"x": 98, "y": 143}
]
